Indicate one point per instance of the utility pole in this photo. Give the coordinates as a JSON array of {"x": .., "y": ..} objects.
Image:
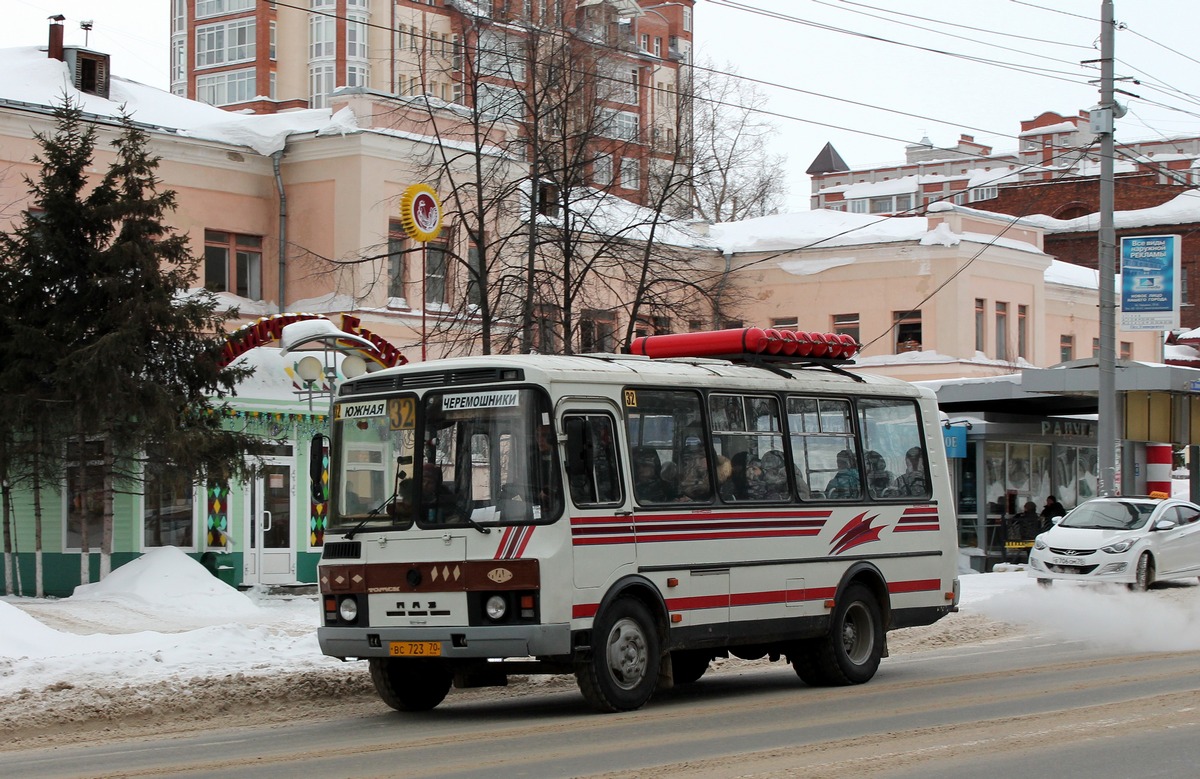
[{"x": 1106, "y": 427}]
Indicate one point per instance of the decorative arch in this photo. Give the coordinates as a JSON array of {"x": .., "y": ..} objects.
[{"x": 267, "y": 329}]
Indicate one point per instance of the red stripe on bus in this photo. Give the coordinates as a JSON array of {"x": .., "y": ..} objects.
[
  {"x": 916, "y": 528},
  {"x": 585, "y": 610},
  {"x": 526, "y": 537},
  {"x": 708, "y": 514}
]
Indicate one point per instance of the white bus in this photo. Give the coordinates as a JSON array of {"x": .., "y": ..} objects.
[{"x": 627, "y": 520}]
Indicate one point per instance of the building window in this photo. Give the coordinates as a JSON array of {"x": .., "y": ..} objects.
[
  {"x": 274, "y": 36},
  {"x": 785, "y": 323},
  {"x": 233, "y": 263},
  {"x": 227, "y": 88},
  {"x": 1095, "y": 347},
  {"x": 908, "y": 331},
  {"x": 1066, "y": 348},
  {"x": 1023, "y": 331},
  {"x": 545, "y": 330},
  {"x": 356, "y": 37},
  {"x": 358, "y": 76},
  {"x": 320, "y": 85},
  {"x": 206, "y": 8},
  {"x": 84, "y": 494},
  {"x": 435, "y": 275},
  {"x": 1126, "y": 350},
  {"x": 225, "y": 43},
  {"x": 980, "y": 315},
  {"x": 168, "y": 518},
  {"x": 846, "y": 323},
  {"x": 1001, "y": 331},
  {"x": 395, "y": 266},
  {"x": 658, "y": 46},
  {"x": 621, "y": 125},
  {"x": 630, "y": 173},
  {"x": 501, "y": 56},
  {"x": 499, "y": 102},
  {"x": 858, "y": 206},
  {"x": 179, "y": 10},
  {"x": 881, "y": 205},
  {"x": 598, "y": 332},
  {"x": 627, "y": 91},
  {"x": 178, "y": 60},
  {"x": 602, "y": 170},
  {"x": 977, "y": 194},
  {"x": 322, "y": 36}
]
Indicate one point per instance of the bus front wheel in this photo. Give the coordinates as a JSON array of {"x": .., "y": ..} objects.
[
  {"x": 622, "y": 671},
  {"x": 410, "y": 685}
]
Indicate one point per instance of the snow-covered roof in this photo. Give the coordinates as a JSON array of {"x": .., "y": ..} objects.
[
  {"x": 34, "y": 79},
  {"x": 1183, "y": 209},
  {"x": 824, "y": 228}
]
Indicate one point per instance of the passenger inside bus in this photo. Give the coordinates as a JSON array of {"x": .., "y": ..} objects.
[
  {"x": 912, "y": 481},
  {"x": 845, "y": 483},
  {"x": 746, "y": 481},
  {"x": 775, "y": 477},
  {"x": 649, "y": 486},
  {"x": 437, "y": 500},
  {"x": 694, "y": 482},
  {"x": 879, "y": 478}
]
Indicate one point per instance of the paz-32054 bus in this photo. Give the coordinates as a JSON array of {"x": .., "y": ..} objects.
[{"x": 627, "y": 519}]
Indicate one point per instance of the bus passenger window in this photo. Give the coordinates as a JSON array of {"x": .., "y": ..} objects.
[
  {"x": 668, "y": 450},
  {"x": 592, "y": 473}
]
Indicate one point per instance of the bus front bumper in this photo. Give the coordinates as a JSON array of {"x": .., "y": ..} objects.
[{"x": 464, "y": 643}]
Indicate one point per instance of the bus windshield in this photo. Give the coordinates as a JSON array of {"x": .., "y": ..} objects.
[{"x": 484, "y": 457}]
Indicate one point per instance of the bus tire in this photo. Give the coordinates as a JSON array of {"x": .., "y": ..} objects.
[
  {"x": 851, "y": 651},
  {"x": 410, "y": 685},
  {"x": 688, "y": 666},
  {"x": 622, "y": 671},
  {"x": 804, "y": 659}
]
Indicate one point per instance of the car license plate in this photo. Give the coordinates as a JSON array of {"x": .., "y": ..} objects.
[
  {"x": 415, "y": 648},
  {"x": 1061, "y": 561}
]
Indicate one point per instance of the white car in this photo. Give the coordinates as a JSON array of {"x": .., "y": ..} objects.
[{"x": 1134, "y": 541}]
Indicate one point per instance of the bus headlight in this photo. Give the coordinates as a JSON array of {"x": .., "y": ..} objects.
[
  {"x": 348, "y": 609},
  {"x": 496, "y": 607}
]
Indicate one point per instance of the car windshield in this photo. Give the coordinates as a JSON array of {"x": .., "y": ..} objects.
[{"x": 1109, "y": 515}]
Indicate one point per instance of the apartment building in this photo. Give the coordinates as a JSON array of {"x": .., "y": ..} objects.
[{"x": 492, "y": 55}]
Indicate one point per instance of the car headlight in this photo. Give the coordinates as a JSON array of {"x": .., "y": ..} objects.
[
  {"x": 348, "y": 609},
  {"x": 1119, "y": 547},
  {"x": 496, "y": 607},
  {"x": 1038, "y": 543}
]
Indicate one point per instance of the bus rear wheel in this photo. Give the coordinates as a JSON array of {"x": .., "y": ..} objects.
[
  {"x": 622, "y": 671},
  {"x": 410, "y": 685},
  {"x": 851, "y": 651}
]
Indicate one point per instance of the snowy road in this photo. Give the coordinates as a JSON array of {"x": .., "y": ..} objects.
[{"x": 931, "y": 713}]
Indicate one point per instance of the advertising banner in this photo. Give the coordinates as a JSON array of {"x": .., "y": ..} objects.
[{"x": 1150, "y": 282}]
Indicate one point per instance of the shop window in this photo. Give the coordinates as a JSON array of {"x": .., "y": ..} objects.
[
  {"x": 168, "y": 518},
  {"x": 84, "y": 493}
]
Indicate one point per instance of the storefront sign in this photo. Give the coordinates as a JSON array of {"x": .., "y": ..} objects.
[
  {"x": 1061, "y": 427},
  {"x": 955, "y": 439}
]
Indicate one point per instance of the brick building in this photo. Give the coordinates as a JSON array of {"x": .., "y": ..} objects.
[
  {"x": 1053, "y": 177},
  {"x": 247, "y": 55}
]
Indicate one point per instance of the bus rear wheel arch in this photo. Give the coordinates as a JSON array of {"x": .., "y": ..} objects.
[{"x": 852, "y": 649}]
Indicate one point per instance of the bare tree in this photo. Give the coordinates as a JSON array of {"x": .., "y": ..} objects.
[{"x": 735, "y": 176}]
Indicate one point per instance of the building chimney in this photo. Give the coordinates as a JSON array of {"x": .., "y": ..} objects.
[{"x": 56, "y": 37}]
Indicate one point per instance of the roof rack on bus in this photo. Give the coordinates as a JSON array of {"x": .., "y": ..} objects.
[{"x": 753, "y": 345}]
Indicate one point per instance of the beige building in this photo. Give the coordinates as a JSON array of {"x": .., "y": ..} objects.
[{"x": 959, "y": 293}]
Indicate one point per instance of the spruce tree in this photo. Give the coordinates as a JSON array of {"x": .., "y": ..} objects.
[{"x": 134, "y": 364}]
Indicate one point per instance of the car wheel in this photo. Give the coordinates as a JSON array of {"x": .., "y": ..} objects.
[
  {"x": 410, "y": 685},
  {"x": 1045, "y": 582},
  {"x": 1144, "y": 573},
  {"x": 622, "y": 672}
]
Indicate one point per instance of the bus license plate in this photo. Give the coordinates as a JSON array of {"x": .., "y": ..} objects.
[{"x": 415, "y": 648}]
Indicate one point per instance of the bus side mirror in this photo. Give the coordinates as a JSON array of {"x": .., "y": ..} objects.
[{"x": 317, "y": 453}]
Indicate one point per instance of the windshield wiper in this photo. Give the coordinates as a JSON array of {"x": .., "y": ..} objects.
[{"x": 373, "y": 513}]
